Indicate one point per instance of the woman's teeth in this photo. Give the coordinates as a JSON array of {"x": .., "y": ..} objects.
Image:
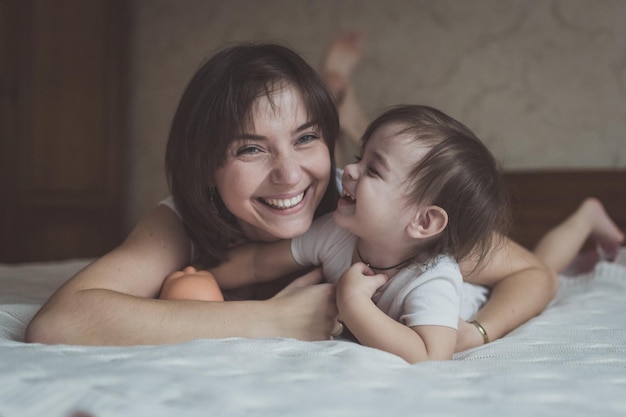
[
  {"x": 283, "y": 203},
  {"x": 348, "y": 195}
]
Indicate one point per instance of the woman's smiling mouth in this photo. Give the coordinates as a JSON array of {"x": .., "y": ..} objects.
[{"x": 283, "y": 203}]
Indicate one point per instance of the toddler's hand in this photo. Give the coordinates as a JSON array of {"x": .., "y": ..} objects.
[{"x": 359, "y": 282}]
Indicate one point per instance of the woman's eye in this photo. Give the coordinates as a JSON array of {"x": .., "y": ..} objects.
[
  {"x": 307, "y": 139},
  {"x": 248, "y": 150},
  {"x": 357, "y": 158}
]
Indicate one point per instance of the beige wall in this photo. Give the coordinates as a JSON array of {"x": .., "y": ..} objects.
[{"x": 542, "y": 82}]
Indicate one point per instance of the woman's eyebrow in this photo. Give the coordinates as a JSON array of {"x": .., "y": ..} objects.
[
  {"x": 250, "y": 136},
  {"x": 253, "y": 136},
  {"x": 306, "y": 126}
]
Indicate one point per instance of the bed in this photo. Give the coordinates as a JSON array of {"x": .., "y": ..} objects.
[{"x": 568, "y": 361}]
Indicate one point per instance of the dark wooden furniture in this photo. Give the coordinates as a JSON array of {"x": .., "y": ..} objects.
[
  {"x": 63, "y": 66},
  {"x": 541, "y": 199}
]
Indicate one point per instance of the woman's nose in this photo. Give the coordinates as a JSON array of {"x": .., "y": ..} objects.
[{"x": 287, "y": 170}]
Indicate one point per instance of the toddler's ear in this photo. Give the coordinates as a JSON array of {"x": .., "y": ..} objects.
[{"x": 427, "y": 222}]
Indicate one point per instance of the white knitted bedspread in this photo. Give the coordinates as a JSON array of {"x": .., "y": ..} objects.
[{"x": 569, "y": 361}]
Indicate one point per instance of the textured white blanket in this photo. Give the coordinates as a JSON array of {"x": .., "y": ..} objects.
[{"x": 569, "y": 361}]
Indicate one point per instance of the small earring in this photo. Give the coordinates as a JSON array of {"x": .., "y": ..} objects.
[{"x": 212, "y": 192}]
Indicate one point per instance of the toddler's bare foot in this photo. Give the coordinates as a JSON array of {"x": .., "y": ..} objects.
[{"x": 604, "y": 231}]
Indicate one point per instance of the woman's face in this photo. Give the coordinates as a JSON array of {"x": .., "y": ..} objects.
[{"x": 277, "y": 171}]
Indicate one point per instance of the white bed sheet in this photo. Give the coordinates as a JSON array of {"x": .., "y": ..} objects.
[{"x": 569, "y": 361}]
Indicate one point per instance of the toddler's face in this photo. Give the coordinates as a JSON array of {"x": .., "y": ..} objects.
[{"x": 374, "y": 204}]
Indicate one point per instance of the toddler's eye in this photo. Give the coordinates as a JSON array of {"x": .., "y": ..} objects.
[{"x": 371, "y": 171}]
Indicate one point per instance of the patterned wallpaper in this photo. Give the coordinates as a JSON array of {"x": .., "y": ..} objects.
[{"x": 542, "y": 82}]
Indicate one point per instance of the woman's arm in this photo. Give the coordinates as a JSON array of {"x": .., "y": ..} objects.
[
  {"x": 111, "y": 302},
  {"x": 256, "y": 262},
  {"x": 250, "y": 263},
  {"x": 522, "y": 286},
  {"x": 373, "y": 328}
]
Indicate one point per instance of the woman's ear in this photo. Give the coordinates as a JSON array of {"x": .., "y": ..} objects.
[{"x": 427, "y": 222}]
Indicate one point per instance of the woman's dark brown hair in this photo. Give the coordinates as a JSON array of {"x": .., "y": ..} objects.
[
  {"x": 458, "y": 174},
  {"x": 214, "y": 109}
]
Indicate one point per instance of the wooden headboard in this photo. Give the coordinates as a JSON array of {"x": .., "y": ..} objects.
[{"x": 541, "y": 199}]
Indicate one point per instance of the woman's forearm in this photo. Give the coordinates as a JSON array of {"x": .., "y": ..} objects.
[
  {"x": 521, "y": 288},
  {"x": 255, "y": 263},
  {"x": 516, "y": 299},
  {"x": 104, "y": 317}
]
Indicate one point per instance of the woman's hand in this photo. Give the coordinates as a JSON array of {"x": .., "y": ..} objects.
[{"x": 310, "y": 310}]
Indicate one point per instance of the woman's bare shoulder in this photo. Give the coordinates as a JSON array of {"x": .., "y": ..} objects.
[{"x": 156, "y": 247}]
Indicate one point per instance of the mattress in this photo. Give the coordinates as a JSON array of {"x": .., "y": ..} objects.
[{"x": 568, "y": 361}]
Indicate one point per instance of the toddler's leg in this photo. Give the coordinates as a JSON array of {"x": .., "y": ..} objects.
[
  {"x": 190, "y": 284},
  {"x": 559, "y": 247},
  {"x": 342, "y": 57}
]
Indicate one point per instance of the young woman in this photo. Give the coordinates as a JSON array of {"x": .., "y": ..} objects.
[
  {"x": 254, "y": 128},
  {"x": 249, "y": 158}
]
